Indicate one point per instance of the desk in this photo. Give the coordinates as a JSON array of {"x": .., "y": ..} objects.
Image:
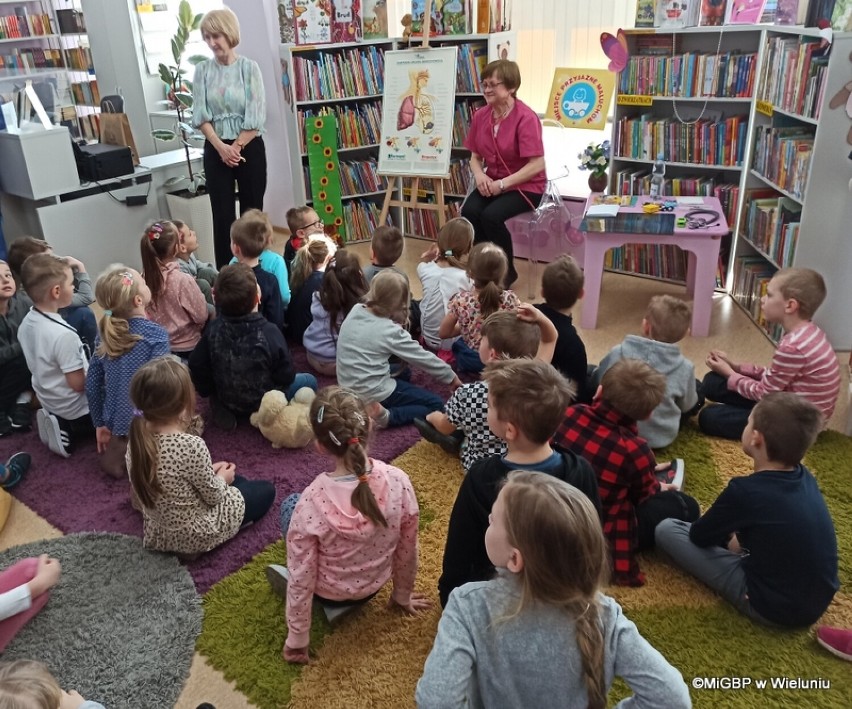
[{"x": 702, "y": 246}]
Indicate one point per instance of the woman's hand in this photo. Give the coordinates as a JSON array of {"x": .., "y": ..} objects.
[
  {"x": 483, "y": 184},
  {"x": 230, "y": 154},
  {"x": 417, "y": 602},
  {"x": 225, "y": 470},
  {"x": 296, "y": 656},
  {"x": 102, "y": 436}
]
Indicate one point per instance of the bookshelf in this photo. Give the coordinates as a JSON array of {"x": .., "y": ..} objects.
[
  {"x": 741, "y": 113},
  {"x": 346, "y": 80},
  {"x": 82, "y": 118}
]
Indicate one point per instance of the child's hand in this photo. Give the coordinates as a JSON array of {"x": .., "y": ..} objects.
[
  {"x": 430, "y": 254},
  {"x": 529, "y": 313},
  {"x": 226, "y": 471},
  {"x": 76, "y": 264},
  {"x": 296, "y": 656},
  {"x": 665, "y": 487},
  {"x": 47, "y": 575},
  {"x": 417, "y": 602},
  {"x": 456, "y": 383},
  {"x": 719, "y": 365},
  {"x": 102, "y": 435},
  {"x": 734, "y": 545},
  {"x": 70, "y": 700}
]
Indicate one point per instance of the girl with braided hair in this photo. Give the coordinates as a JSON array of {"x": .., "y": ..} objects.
[
  {"x": 542, "y": 633},
  {"x": 351, "y": 530}
]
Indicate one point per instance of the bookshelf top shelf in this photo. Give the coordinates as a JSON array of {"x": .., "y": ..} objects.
[
  {"x": 700, "y": 99},
  {"x": 299, "y": 48},
  {"x": 669, "y": 163},
  {"x": 797, "y": 116}
]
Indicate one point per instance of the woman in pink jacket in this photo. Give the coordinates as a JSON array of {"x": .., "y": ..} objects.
[{"x": 351, "y": 530}]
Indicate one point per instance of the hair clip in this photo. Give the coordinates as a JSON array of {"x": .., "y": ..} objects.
[
  {"x": 320, "y": 413},
  {"x": 108, "y": 313},
  {"x": 137, "y": 413},
  {"x": 361, "y": 420},
  {"x": 154, "y": 231},
  {"x": 127, "y": 279},
  {"x": 354, "y": 441},
  {"x": 448, "y": 253},
  {"x": 334, "y": 438}
]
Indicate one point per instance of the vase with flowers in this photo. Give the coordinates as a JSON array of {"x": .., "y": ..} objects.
[{"x": 595, "y": 158}]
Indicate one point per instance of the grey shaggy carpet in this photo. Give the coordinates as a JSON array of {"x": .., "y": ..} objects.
[{"x": 121, "y": 624}]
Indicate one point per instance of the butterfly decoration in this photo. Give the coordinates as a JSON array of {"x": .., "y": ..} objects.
[{"x": 615, "y": 47}]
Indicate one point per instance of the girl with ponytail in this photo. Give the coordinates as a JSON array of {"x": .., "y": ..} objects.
[
  {"x": 467, "y": 309},
  {"x": 126, "y": 341},
  {"x": 545, "y": 539},
  {"x": 351, "y": 530}
]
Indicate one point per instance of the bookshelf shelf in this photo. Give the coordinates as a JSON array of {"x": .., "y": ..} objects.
[
  {"x": 701, "y": 99},
  {"x": 769, "y": 183},
  {"x": 29, "y": 38},
  {"x": 795, "y": 116},
  {"x": 760, "y": 251},
  {"x": 691, "y": 165},
  {"x": 324, "y": 101}
]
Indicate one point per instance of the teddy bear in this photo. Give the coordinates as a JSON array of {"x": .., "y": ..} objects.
[{"x": 285, "y": 425}]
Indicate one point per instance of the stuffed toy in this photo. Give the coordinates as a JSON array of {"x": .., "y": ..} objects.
[
  {"x": 406, "y": 27},
  {"x": 285, "y": 425}
]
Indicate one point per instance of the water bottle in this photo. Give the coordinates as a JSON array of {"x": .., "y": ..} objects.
[{"x": 658, "y": 176}]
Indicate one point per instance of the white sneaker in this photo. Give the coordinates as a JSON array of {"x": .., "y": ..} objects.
[
  {"x": 41, "y": 422},
  {"x": 57, "y": 439}
]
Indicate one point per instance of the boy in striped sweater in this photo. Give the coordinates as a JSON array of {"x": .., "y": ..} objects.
[{"x": 804, "y": 362}]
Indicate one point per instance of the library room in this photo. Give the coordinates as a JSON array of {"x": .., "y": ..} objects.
[{"x": 591, "y": 258}]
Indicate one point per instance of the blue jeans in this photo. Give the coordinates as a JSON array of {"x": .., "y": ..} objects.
[
  {"x": 301, "y": 379},
  {"x": 467, "y": 359},
  {"x": 285, "y": 513},
  {"x": 258, "y": 495},
  {"x": 82, "y": 319},
  {"x": 409, "y": 402}
]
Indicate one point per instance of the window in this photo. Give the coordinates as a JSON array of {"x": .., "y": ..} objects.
[{"x": 157, "y": 24}]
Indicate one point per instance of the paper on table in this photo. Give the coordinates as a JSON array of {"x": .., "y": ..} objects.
[
  {"x": 690, "y": 200},
  {"x": 602, "y": 210}
]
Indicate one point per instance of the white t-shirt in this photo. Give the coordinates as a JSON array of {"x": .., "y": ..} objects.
[
  {"x": 439, "y": 285},
  {"x": 53, "y": 349}
]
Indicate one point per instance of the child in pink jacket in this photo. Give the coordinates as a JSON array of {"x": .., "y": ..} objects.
[{"x": 351, "y": 530}]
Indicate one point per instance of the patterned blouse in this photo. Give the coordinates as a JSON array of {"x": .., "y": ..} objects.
[
  {"x": 197, "y": 509},
  {"x": 465, "y": 306},
  {"x": 230, "y": 97}
]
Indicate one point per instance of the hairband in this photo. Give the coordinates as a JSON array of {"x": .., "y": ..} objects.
[
  {"x": 334, "y": 438},
  {"x": 448, "y": 253},
  {"x": 362, "y": 478},
  {"x": 354, "y": 441},
  {"x": 107, "y": 313}
]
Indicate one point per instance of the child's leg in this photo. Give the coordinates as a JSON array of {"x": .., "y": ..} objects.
[
  {"x": 206, "y": 289},
  {"x": 714, "y": 566},
  {"x": 664, "y": 505},
  {"x": 302, "y": 379},
  {"x": 14, "y": 380},
  {"x": 328, "y": 369},
  {"x": 17, "y": 575},
  {"x": 409, "y": 402},
  {"x": 259, "y": 496},
  {"x": 723, "y": 420},
  {"x": 286, "y": 512},
  {"x": 715, "y": 388},
  {"x": 82, "y": 319},
  {"x": 208, "y": 275},
  {"x": 467, "y": 359},
  {"x": 112, "y": 462}
]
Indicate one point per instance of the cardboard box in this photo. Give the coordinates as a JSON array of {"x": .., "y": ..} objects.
[{"x": 37, "y": 163}]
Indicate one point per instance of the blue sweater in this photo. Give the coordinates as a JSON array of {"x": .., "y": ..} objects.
[
  {"x": 781, "y": 521},
  {"x": 108, "y": 379}
]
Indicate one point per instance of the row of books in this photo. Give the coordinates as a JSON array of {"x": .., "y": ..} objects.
[
  {"x": 332, "y": 75},
  {"x": 457, "y": 17},
  {"x": 472, "y": 59},
  {"x": 751, "y": 277},
  {"x": 729, "y": 75},
  {"x": 783, "y": 156},
  {"x": 357, "y": 124},
  {"x": 356, "y": 178},
  {"x": 23, "y": 25},
  {"x": 31, "y": 58},
  {"x": 708, "y": 141},
  {"x": 86, "y": 126},
  {"x": 657, "y": 260},
  {"x": 80, "y": 58},
  {"x": 771, "y": 224},
  {"x": 462, "y": 117},
  {"x": 793, "y": 75},
  {"x": 424, "y": 222},
  {"x": 457, "y": 184},
  {"x": 361, "y": 217},
  {"x": 86, "y": 93}
]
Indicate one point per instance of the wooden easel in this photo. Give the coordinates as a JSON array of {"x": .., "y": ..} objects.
[{"x": 395, "y": 180}]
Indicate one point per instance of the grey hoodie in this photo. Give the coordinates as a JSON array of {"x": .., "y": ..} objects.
[{"x": 662, "y": 428}]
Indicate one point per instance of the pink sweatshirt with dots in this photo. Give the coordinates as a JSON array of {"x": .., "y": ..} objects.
[{"x": 334, "y": 551}]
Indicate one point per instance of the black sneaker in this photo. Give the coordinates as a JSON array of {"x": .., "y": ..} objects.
[
  {"x": 21, "y": 417},
  {"x": 451, "y": 443}
]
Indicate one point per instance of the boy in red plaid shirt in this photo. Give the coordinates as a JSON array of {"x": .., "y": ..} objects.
[{"x": 633, "y": 500}]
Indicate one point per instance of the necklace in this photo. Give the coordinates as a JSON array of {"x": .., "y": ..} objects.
[{"x": 497, "y": 117}]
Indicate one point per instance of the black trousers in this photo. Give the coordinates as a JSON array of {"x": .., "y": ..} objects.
[
  {"x": 249, "y": 177},
  {"x": 14, "y": 380},
  {"x": 489, "y": 214}
]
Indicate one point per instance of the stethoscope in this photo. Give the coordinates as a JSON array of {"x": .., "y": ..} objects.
[{"x": 699, "y": 219}]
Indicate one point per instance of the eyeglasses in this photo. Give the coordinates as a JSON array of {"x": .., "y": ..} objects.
[
  {"x": 486, "y": 85},
  {"x": 318, "y": 223}
]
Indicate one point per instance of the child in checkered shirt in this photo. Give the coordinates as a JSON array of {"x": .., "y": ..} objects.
[
  {"x": 634, "y": 501},
  {"x": 521, "y": 334}
]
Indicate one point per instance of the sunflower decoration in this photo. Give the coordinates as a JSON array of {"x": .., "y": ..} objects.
[
  {"x": 327, "y": 152},
  {"x": 338, "y": 222},
  {"x": 318, "y": 123},
  {"x": 317, "y": 138},
  {"x": 329, "y": 166},
  {"x": 322, "y": 196},
  {"x": 324, "y": 181},
  {"x": 329, "y": 208}
]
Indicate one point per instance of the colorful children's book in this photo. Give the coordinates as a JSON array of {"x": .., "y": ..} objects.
[
  {"x": 645, "y": 13},
  {"x": 313, "y": 21},
  {"x": 375, "y": 18},
  {"x": 744, "y": 12},
  {"x": 456, "y": 15},
  {"x": 418, "y": 11},
  {"x": 675, "y": 14},
  {"x": 787, "y": 12},
  {"x": 712, "y": 13},
  {"x": 346, "y": 21}
]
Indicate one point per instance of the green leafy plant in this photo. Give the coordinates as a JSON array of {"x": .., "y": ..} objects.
[{"x": 180, "y": 94}]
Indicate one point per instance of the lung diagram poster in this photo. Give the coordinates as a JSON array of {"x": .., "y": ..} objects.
[{"x": 417, "y": 112}]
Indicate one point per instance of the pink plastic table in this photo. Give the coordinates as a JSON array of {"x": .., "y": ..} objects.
[{"x": 702, "y": 246}]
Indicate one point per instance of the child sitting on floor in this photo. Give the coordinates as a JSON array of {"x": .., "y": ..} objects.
[
  {"x": 544, "y": 537},
  {"x": 203, "y": 273},
  {"x": 351, "y": 530},
  {"x": 803, "y": 363},
  {"x": 29, "y": 684},
  {"x": 372, "y": 332},
  {"x": 386, "y": 247},
  {"x": 666, "y": 323},
  {"x": 308, "y": 270},
  {"x": 270, "y": 261},
  {"x": 303, "y": 223},
  {"x": 526, "y": 402},
  {"x": 767, "y": 545},
  {"x": 443, "y": 273},
  {"x": 176, "y": 302},
  {"x": 189, "y": 504},
  {"x": 55, "y": 355},
  {"x": 15, "y": 390},
  {"x": 241, "y": 355},
  {"x": 248, "y": 241},
  {"x": 24, "y": 590},
  {"x": 633, "y": 499},
  {"x": 342, "y": 287},
  {"x": 127, "y": 341},
  {"x": 523, "y": 334},
  {"x": 466, "y": 311}
]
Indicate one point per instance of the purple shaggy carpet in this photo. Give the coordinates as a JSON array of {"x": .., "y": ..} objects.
[{"x": 74, "y": 496}]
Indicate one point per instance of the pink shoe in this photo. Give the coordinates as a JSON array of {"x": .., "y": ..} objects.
[{"x": 836, "y": 640}]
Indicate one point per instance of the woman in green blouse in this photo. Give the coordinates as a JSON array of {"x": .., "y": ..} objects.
[{"x": 230, "y": 110}]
